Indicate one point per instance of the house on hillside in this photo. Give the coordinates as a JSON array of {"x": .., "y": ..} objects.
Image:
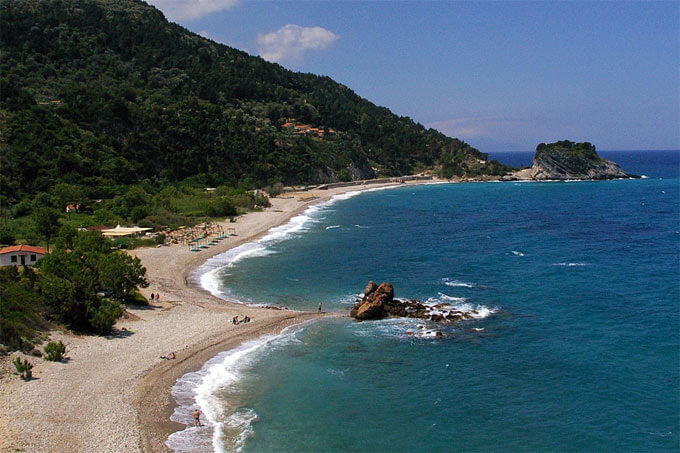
[{"x": 21, "y": 255}]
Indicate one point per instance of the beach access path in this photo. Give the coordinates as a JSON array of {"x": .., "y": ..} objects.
[{"x": 113, "y": 393}]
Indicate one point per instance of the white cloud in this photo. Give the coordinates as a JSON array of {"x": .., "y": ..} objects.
[
  {"x": 206, "y": 34},
  {"x": 290, "y": 42},
  {"x": 191, "y": 9}
]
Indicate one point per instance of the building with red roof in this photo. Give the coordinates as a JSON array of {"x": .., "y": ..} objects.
[{"x": 21, "y": 255}]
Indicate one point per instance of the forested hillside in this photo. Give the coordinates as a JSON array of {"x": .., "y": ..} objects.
[{"x": 103, "y": 94}]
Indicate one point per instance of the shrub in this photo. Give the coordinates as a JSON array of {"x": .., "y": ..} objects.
[
  {"x": 221, "y": 207},
  {"x": 7, "y": 235},
  {"x": 54, "y": 351},
  {"x": 103, "y": 216},
  {"x": 23, "y": 368},
  {"x": 104, "y": 317},
  {"x": 275, "y": 189},
  {"x": 138, "y": 213},
  {"x": 23, "y": 208}
]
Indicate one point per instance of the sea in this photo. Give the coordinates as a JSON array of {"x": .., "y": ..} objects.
[{"x": 573, "y": 345}]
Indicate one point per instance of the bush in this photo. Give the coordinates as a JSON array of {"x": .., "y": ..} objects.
[
  {"x": 138, "y": 213},
  {"x": 104, "y": 317},
  {"x": 23, "y": 208},
  {"x": 7, "y": 235},
  {"x": 221, "y": 207},
  {"x": 54, "y": 351},
  {"x": 275, "y": 189},
  {"x": 23, "y": 368},
  {"x": 103, "y": 216}
]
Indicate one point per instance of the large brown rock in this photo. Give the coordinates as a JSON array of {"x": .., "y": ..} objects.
[
  {"x": 370, "y": 287},
  {"x": 379, "y": 302},
  {"x": 373, "y": 304}
]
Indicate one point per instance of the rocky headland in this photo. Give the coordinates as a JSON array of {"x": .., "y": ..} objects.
[
  {"x": 379, "y": 302},
  {"x": 565, "y": 160}
]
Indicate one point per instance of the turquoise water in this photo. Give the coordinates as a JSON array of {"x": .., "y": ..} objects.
[{"x": 576, "y": 348}]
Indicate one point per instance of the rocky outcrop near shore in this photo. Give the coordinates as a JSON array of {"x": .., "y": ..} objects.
[
  {"x": 379, "y": 302},
  {"x": 567, "y": 160}
]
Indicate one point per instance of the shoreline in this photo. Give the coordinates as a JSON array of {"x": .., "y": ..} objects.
[
  {"x": 113, "y": 393},
  {"x": 156, "y": 424},
  {"x": 157, "y": 383}
]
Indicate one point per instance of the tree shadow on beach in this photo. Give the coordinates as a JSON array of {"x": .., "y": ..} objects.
[
  {"x": 145, "y": 307},
  {"x": 119, "y": 333}
]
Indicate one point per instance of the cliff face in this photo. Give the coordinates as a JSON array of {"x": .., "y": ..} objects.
[{"x": 568, "y": 160}]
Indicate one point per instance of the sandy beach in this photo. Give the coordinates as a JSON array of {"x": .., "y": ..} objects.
[{"x": 113, "y": 393}]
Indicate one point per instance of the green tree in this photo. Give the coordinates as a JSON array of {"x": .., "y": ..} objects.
[
  {"x": 19, "y": 309},
  {"x": 66, "y": 235},
  {"x": 91, "y": 241},
  {"x": 67, "y": 193},
  {"x": 221, "y": 207},
  {"x": 7, "y": 235},
  {"x": 138, "y": 213},
  {"x": 103, "y": 316},
  {"x": 46, "y": 221},
  {"x": 122, "y": 273}
]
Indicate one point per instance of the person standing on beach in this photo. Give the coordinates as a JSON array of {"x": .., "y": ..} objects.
[
  {"x": 320, "y": 306},
  {"x": 151, "y": 297},
  {"x": 197, "y": 418}
]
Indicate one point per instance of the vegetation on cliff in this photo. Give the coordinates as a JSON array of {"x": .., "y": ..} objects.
[
  {"x": 103, "y": 94},
  {"x": 566, "y": 148}
]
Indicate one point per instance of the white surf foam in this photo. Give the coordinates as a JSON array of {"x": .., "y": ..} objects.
[
  {"x": 349, "y": 299},
  {"x": 571, "y": 264},
  {"x": 200, "y": 389},
  {"x": 458, "y": 283},
  {"x": 517, "y": 253},
  {"x": 332, "y": 227},
  {"x": 448, "y": 304},
  {"x": 207, "y": 275}
]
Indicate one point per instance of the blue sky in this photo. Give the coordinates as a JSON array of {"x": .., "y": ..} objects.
[{"x": 502, "y": 76}]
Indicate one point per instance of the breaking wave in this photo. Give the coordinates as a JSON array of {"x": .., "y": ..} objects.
[
  {"x": 209, "y": 273},
  {"x": 214, "y": 389},
  {"x": 458, "y": 283}
]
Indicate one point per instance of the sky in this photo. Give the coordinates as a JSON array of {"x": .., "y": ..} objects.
[{"x": 502, "y": 76}]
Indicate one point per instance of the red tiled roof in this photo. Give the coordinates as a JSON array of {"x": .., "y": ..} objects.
[{"x": 24, "y": 248}]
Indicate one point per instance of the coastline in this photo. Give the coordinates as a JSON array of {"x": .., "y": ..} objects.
[{"x": 113, "y": 393}]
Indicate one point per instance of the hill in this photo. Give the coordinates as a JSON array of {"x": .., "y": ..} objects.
[
  {"x": 102, "y": 94},
  {"x": 568, "y": 160}
]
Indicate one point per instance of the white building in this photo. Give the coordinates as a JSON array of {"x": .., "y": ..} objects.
[{"x": 20, "y": 255}]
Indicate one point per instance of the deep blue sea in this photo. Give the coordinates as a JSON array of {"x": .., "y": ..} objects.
[{"x": 575, "y": 345}]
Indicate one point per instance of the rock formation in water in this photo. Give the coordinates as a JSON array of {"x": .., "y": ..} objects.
[
  {"x": 568, "y": 160},
  {"x": 379, "y": 302}
]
